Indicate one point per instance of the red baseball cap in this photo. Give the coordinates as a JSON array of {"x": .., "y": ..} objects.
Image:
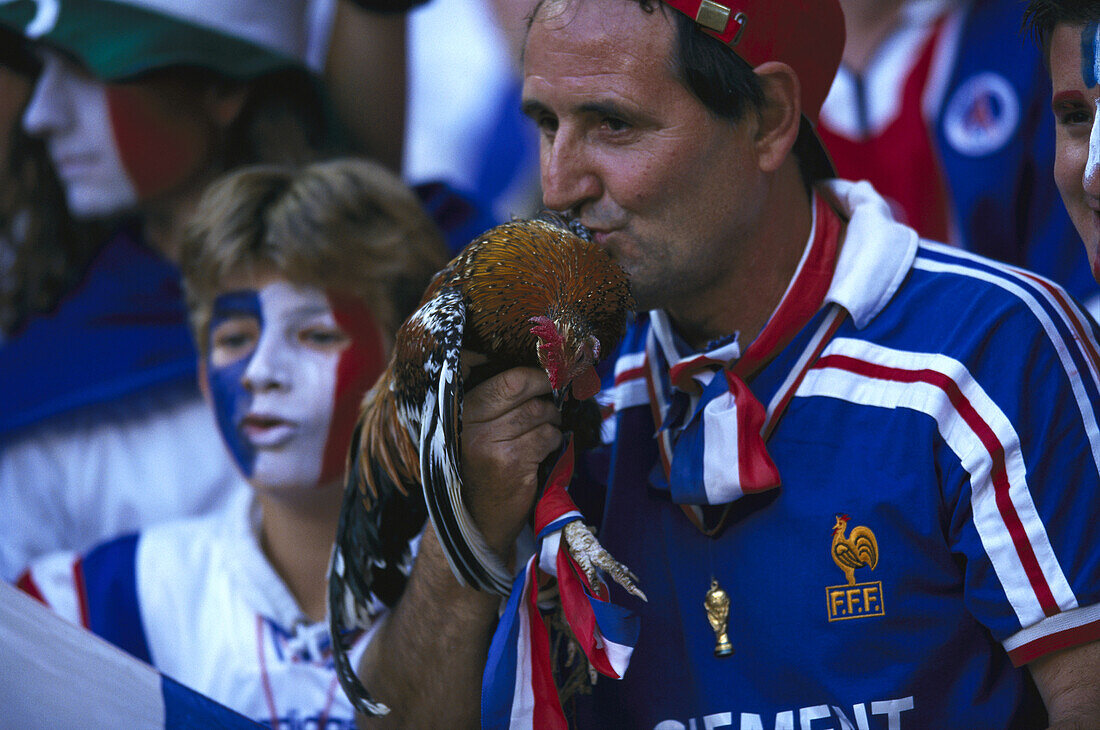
[{"x": 807, "y": 35}]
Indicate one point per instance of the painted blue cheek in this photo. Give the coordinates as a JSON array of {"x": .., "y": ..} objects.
[
  {"x": 231, "y": 403},
  {"x": 231, "y": 400}
]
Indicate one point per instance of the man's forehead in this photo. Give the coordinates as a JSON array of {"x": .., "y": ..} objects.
[
  {"x": 1075, "y": 55},
  {"x": 1090, "y": 59},
  {"x": 613, "y": 21},
  {"x": 593, "y": 37}
]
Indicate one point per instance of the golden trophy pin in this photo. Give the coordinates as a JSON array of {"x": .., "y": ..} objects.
[{"x": 717, "y": 604}]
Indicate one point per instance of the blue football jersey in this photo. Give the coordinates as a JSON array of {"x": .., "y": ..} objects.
[{"x": 934, "y": 529}]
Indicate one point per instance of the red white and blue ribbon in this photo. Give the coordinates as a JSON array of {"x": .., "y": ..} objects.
[
  {"x": 518, "y": 689},
  {"x": 716, "y": 452}
]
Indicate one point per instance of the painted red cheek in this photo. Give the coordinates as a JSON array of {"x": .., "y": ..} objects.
[
  {"x": 360, "y": 365},
  {"x": 160, "y": 147}
]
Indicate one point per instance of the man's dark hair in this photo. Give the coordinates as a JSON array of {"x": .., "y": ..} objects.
[
  {"x": 726, "y": 85},
  {"x": 1042, "y": 16}
]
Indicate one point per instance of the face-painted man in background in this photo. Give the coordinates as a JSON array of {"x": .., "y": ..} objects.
[{"x": 1070, "y": 33}]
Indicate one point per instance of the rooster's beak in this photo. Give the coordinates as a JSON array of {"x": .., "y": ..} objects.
[{"x": 560, "y": 396}]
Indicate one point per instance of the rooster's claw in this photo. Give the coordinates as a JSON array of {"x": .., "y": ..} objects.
[{"x": 591, "y": 557}]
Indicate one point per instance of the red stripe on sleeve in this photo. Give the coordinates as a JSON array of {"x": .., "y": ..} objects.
[
  {"x": 1080, "y": 336},
  {"x": 1042, "y": 646},
  {"x": 631, "y": 374}
]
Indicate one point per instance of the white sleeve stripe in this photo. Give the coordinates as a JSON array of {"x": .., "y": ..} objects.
[
  {"x": 1033, "y": 284},
  {"x": 1005, "y": 516},
  {"x": 1069, "y": 628},
  {"x": 1053, "y": 624},
  {"x": 1088, "y": 415}
]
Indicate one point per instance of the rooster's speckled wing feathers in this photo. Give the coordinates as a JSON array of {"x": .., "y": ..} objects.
[{"x": 524, "y": 293}]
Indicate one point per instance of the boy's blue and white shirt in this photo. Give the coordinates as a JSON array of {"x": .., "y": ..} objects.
[
  {"x": 198, "y": 600},
  {"x": 954, "y": 416}
]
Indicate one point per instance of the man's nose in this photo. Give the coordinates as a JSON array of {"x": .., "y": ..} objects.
[{"x": 569, "y": 179}]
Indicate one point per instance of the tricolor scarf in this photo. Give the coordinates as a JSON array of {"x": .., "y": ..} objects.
[
  {"x": 711, "y": 431},
  {"x": 518, "y": 689}
]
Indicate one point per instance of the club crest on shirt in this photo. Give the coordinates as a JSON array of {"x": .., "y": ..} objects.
[
  {"x": 851, "y": 552},
  {"x": 303, "y": 643},
  {"x": 982, "y": 115}
]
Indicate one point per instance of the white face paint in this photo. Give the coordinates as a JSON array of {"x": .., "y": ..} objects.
[
  {"x": 1075, "y": 101},
  {"x": 69, "y": 110},
  {"x": 1092, "y": 164},
  {"x": 273, "y": 375},
  {"x": 1090, "y": 72}
]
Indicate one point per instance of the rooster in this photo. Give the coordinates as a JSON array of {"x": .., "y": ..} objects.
[
  {"x": 526, "y": 293},
  {"x": 855, "y": 551}
]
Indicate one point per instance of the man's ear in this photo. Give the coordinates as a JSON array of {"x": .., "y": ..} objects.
[{"x": 780, "y": 116}]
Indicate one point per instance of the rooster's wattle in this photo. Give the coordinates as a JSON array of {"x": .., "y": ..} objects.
[{"x": 528, "y": 292}]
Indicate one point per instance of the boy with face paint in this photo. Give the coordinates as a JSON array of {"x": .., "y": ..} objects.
[
  {"x": 296, "y": 282},
  {"x": 1070, "y": 36}
]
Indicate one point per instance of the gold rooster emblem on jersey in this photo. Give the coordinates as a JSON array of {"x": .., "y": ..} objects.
[{"x": 858, "y": 550}]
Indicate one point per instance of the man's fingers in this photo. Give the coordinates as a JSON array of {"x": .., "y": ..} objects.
[
  {"x": 508, "y": 427},
  {"x": 503, "y": 393}
]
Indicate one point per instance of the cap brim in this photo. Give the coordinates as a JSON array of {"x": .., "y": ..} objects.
[{"x": 116, "y": 41}]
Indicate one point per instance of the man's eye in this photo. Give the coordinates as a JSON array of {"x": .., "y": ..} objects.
[
  {"x": 615, "y": 125},
  {"x": 547, "y": 124},
  {"x": 1071, "y": 115}
]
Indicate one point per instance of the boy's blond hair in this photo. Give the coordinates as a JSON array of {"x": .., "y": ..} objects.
[{"x": 347, "y": 226}]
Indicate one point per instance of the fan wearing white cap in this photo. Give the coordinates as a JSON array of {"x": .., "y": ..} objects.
[
  {"x": 140, "y": 103},
  {"x": 854, "y": 471}
]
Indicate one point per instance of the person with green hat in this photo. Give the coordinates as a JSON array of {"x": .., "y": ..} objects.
[
  {"x": 43, "y": 251},
  {"x": 139, "y": 104}
]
